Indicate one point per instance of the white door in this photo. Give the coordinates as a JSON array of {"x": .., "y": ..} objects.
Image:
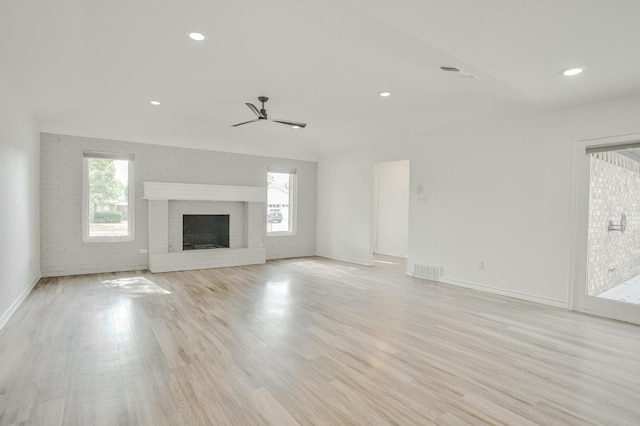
[{"x": 392, "y": 208}]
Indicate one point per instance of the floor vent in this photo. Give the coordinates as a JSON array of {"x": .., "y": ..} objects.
[{"x": 427, "y": 272}]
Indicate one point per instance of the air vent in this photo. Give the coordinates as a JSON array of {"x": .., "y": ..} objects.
[
  {"x": 427, "y": 272},
  {"x": 450, "y": 69}
]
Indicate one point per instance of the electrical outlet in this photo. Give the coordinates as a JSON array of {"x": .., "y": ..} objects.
[
  {"x": 480, "y": 265},
  {"x": 144, "y": 251}
]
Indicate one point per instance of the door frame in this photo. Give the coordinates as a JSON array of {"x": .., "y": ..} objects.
[
  {"x": 376, "y": 206},
  {"x": 578, "y": 300}
]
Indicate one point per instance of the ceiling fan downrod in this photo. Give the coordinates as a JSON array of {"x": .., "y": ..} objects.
[{"x": 263, "y": 111}]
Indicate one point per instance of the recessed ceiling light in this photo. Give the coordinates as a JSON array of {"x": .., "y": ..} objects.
[
  {"x": 572, "y": 71},
  {"x": 156, "y": 103},
  {"x": 385, "y": 94},
  {"x": 295, "y": 127},
  {"x": 196, "y": 36}
]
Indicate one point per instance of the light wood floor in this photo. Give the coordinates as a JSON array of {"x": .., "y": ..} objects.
[{"x": 307, "y": 341}]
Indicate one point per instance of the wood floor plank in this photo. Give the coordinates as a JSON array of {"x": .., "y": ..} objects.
[
  {"x": 307, "y": 341},
  {"x": 270, "y": 409}
]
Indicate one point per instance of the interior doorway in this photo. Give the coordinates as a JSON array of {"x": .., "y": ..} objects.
[{"x": 391, "y": 234}]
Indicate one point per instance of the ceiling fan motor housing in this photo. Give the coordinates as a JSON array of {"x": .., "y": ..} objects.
[{"x": 262, "y": 115}]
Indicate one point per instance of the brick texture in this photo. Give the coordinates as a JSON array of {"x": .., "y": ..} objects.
[
  {"x": 613, "y": 256},
  {"x": 64, "y": 253}
]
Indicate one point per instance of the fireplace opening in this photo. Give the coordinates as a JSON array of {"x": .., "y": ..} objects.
[{"x": 205, "y": 231}]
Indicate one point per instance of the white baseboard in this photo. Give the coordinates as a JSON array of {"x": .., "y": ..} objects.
[
  {"x": 91, "y": 271},
  {"x": 14, "y": 307},
  {"x": 347, "y": 260},
  {"x": 385, "y": 253},
  {"x": 501, "y": 292}
]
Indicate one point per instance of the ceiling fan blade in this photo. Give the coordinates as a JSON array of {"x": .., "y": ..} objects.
[
  {"x": 246, "y": 122},
  {"x": 290, "y": 123},
  {"x": 256, "y": 111}
]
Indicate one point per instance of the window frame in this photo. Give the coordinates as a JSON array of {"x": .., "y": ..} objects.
[
  {"x": 293, "y": 201},
  {"x": 130, "y": 158}
]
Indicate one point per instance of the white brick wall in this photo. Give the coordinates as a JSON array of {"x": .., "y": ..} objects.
[
  {"x": 613, "y": 256},
  {"x": 157, "y": 228},
  {"x": 62, "y": 249},
  {"x": 204, "y": 259}
]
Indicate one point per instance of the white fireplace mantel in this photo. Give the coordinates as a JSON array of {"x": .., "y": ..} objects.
[
  {"x": 199, "y": 192},
  {"x": 160, "y": 193}
]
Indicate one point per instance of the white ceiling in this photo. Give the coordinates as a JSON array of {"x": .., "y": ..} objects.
[{"x": 91, "y": 67}]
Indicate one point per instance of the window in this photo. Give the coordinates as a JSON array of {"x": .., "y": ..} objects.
[
  {"x": 281, "y": 201},
  {"x": 107, "y": 197}
]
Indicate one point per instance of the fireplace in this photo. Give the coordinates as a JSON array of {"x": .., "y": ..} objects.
[
  {"x": 205, "y": 231},
  {"x": 246, "y": 225}
]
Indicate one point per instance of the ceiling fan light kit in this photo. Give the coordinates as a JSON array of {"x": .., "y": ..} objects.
[{"x": 262, "y": 115}]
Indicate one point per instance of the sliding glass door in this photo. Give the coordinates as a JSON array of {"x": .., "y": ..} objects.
[{"x": 607, "y": 229}]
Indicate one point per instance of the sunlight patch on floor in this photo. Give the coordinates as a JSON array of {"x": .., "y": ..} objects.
[
  {"x": 136, "y": 285},
  {"x": 277, "y": 299}
]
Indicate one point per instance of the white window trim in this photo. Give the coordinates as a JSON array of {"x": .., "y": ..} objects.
[
  {"x": 85, "y": 197},
  {"x": 293, "y": 202}
]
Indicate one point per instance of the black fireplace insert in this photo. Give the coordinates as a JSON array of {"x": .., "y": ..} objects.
[{"x": 205, "y": 231}]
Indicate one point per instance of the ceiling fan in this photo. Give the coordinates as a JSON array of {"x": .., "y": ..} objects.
[{"x": 262, "y": 115}]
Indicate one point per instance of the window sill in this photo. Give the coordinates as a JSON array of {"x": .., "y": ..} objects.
[
  {"x": 281, "y": 234},
  {"x": 107, "y": 239}
]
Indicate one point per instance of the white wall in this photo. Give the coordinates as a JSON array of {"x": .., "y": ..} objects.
[
  {"x": 19, "y": 211},
  {"x": 64, "y": 253},
  {"x": 497, "y": 191},
  {"x": 392, "y": 208},
  {"x": 345, "y": 214}
]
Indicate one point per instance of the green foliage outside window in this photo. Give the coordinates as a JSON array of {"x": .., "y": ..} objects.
[
  {"x": 103, "y": 185},
  {"x": 107, "y": 217}
]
